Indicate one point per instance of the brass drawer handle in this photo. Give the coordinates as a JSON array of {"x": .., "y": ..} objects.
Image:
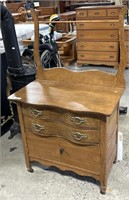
[
  {"x": 77, "y": 120},
  {"x": 82, "y": 56},
  {"x": 82, "y": 35},
  {"x": 112, "y": 47},
  {"x": 96, "y": 13},
  {"x": 112, "y": 25},
  {"x": 81, "y": 14},
  {"x": 79, "y": 136},
  {"x": 35, "y": 112},
  {"x": 37, "y": 127},
  {"x": 82, "y": 46},
  {"x": 111, "y": 56}
]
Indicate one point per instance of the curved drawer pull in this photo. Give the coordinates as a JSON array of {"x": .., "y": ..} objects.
[
  {"x": 112, "y": 24},
  {"x": 77, "y": 120},
  {"x": 96, "y": 13},
  {"x": 82, "y": 56},
  {"x": 112, "y": 35},
  {"x": 37, "y": 127},
  {"x": 82, "y": 46},
  {"x": 79, "y": 136},
  {"x": 81, "y": 14},
  {"x": 111, "y": 56},
  {"x": 35, "y": 112},
  {"x": 112, "y": 47}
]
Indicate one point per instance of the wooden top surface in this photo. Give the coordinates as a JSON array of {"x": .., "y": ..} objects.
[
  {"x": 90, "y": 91},
  {"x": 73, "y": 97},
  {"x": 100, "y": 7}
]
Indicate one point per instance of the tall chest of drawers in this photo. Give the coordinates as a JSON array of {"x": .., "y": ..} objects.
[
  {"x": 71, "y": 124},
  {"x": 98, "y": 34}
]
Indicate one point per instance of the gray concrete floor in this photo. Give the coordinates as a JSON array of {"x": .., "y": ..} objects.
[{"x": 49, "y": 183}]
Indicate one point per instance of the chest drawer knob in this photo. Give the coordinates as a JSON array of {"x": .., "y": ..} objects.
[
  {"x": 81, "y": 25},
  {"x": 35, "y": 112},
  {"x": 112, "y": 35},
  {"x": 112, "y": 13},
  {"x": 81, "y": 14},
  {"x": 79, "y": 136},
  {"x": 77, "y": 120},
  {"x": 61, "y": 150},
  {"x": 37, "y": 127}
]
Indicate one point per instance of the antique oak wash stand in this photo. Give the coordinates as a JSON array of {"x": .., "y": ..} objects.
[{"x": 70, "y": 119}]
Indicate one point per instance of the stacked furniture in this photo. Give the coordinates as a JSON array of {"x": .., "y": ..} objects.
[
  {"x": 98, "y": 35},
  {"x": 126, "y": 34},
  {"x": 70, "y": 119}
]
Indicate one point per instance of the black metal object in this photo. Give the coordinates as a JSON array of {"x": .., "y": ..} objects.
[{"x": 21, "y": 72}]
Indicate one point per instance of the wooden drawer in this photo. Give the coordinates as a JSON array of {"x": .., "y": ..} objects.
[
  {"x": 45, "y": 128},
  {"x": 97, "y": 13},
  {"x": 97, "y": 25},
  {"x": 97, "y": 35},
  {"x": 113, "y": 12},
  {"x": 77, "y": 120},
  {"x": 81, "y": 14},
  {"x": 126, "y": 35},
  {"x": 127, "y": 43},
  {"x": 97, "y": 46},
  {"x": 98, "y": 56}
]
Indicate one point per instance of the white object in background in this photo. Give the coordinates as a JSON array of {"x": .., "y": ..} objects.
[
  {"x": 118, "y": 2},
  {"x": 120, "y": 146}
]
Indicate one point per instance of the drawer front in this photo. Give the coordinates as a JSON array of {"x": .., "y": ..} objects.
[
  {"x": 97, "y": 35},
  {"x": 113, "y": 12},
  {"x": 47, "y": 128},
  {"x": 97, "y": 46},
  {"x": 81, "y": 14},
  {"x": 97, "y": 13},
  {"x": 97, "y": 25},
  {"x": 126, "y": 35},
  {"x": 97, "y": 56},
  {"x": 74, "y": 119}
]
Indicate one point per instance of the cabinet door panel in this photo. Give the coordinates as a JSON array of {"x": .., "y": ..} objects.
[
  {"x": 86, "y": 158},
  {"x": 43, "y": 148}
]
